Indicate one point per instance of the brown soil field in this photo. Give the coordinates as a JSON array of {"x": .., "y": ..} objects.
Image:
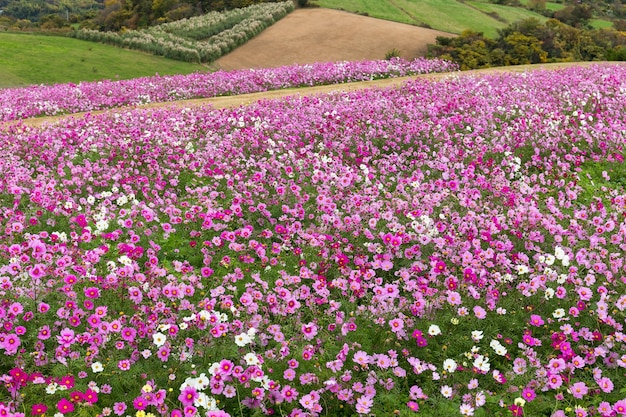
[{"x": 312, "y": 35}]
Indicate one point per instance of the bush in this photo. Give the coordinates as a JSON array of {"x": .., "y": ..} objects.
[
  {"x": 392, "y": 53},
  {"x": 616, "y": 54}
]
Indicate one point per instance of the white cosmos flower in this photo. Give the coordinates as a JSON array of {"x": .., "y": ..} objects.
[
  {"x": 251, "y": 359},
  {"x": 202, "y": 400},
  {"x": 158, "y": 339},
  {"x": 434, "y": 330},
  {"x": 498, "y": 348},
  {"x": 97, "y": 367},
  {"x": 559, "y": 253},
  {"x": 521, "y": 269},
  {"x": 242, "y": 339},
  {"x": 446, "y": 391},
  {"x": 450, "y": 365},
  {"x": 203, "y": 381},
  {"x": 481, "y": 363},
  {"x": 477, "y": 335}
]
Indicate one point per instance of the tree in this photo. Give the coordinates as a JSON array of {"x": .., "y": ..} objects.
[
  {"x": 470, "y": 49},
  {"x": 577, "y": 16},
  {"x": 521, "y": 49},
  {"x": 537, "y": 5}
]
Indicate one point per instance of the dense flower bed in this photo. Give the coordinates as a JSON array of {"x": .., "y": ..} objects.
[
  {"x": 447, "y": 248},
  {"x": 41, "y": 100}
]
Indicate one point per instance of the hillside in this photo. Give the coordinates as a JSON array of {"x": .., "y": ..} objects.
[
  {"x": 325, "y": 35},
  {"x": 27, "y": 59}
]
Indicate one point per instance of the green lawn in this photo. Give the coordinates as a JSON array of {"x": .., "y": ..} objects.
[
  {"x": 37, "y": 59},
  {"x": 553, "y": 7},
  {"x": 447, "y": 15},
  {"x": 507, "y": 13},
  {"x": 600, "y": 24}
]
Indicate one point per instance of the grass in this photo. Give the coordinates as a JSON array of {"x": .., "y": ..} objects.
[
  {"x": 27, "y": 59},
  {"x": 551, "y": 6},
  {"x": 446, "y": 15},
  {"x": 600, "y": 24},
  {"x": 508, "y": 14}
]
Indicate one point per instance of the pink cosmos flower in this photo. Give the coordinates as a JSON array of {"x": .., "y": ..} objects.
[
  {"x": 536, "y": 320},
  {"x": 164, "y": 353},
  {"x": 92, "y": 292},
  {"x": 309, "y": 330},
  {"x": 65, "y": 406},
  {"x": 579, "y": 389},
  {"x": 516, "y": 410},
  {"x": 605, "y": 384},
  {"x": 620, "y": 407},
  {"x": 90, "y": 396},
  {"x": 529, "y": 394},
  {"x": 188, "y": 395},
  {"x": 604, "y": 409},
  {"x": 480, "y": 312},
  {"x": 364, "y": 404}
]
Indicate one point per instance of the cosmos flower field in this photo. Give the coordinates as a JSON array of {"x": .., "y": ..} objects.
[
  {"x": 50, "y": 100},
  {"x": 443, "y": 248}
]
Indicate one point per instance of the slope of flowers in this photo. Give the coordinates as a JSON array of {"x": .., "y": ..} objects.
[
  {"x": 447, "y": 248},
  {"x": 39, "y": 100}
]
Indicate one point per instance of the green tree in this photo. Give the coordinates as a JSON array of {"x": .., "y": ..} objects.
[
  {"x": 470, "y": 49},
  {"x": 521, "y": 49},
  {"x": 537, "y": 5},
  {"x": 577, "y": 16}
]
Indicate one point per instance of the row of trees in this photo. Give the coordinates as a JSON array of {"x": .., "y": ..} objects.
[
  {"x": 531, "y": 42},
  {"x": 197, "y": 39},
  {"x": 112, "y": 14},
  {"x": 42, "y": 11},
  {"x": 572, "y": 10}
]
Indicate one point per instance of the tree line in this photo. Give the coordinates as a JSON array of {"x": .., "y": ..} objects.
[
  {"x": 531, "y": 42},
  {"x": 109, "y": 14}
]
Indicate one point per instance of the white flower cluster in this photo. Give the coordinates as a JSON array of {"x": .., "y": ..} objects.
[
  {"x": 245, "y": 338},
  {"x": 498, "y": 347},
  {"x": 102, "y": 223},
  {"x": 200, "y": 383},
  {"x": 423, "y": 225}
]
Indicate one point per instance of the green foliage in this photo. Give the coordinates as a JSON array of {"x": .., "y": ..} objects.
[
  {"x": 523, "y": 49},
  {"x": 616, "y": 54},
  {"x": 470, "y": 49},
  {"x": 529, "y": 42},
  {"x": 392, "y": 53},
  {"x": 577, "y": 15},
  {"x": 596, "y": 178}
]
